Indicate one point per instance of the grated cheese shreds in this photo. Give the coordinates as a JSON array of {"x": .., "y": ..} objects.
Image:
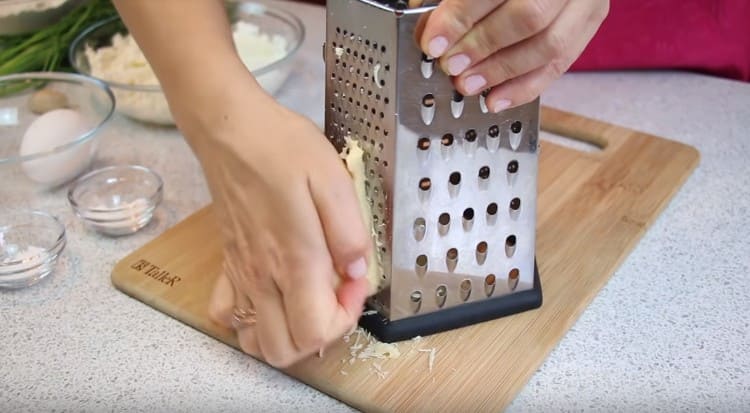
[{"x": 431, "y": 356}]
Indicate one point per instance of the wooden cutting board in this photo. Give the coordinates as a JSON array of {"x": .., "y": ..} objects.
[{"x": 592, "y": 210}]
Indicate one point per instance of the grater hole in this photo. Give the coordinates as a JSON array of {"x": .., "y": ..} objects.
[
  {"x": 471, "y": 135},
  {"x": 494, "y": 131},
  {"x": 512, "y": 166},
  {"x": 423, "y": 144},
  {"x": 515, "y": 204},
  {"x": 421, "y": 264},
  {"x": 382, "y": 82},
  {"x": 440, "y": 294},
  {"x": 338, "y": 30},
  {"x": 420, "y": 227},
  {"x": 382, "y": 49},
  {"x": 447, "y": 139},
  {"x": 416, "y": 300},
  {"x": 468, "y": 214},
  {"x": 481, "y": 253},
  {"x": 510, "y": 246},
  {"x": 455, "y": 178},
  {"x": 489, "y": 284},
  {"x": 484, "y": 172},
  {"x": 451, "y": 259},
  {"x": 444, "y": 222},
  {"x": 513, "y": 278},
  {"x": 516, "y": 127},
  {"x": 457, "y": 96},
  {"x": 465, "y": 288},
  {"x": 386, "y": 100},
  {"x": 428, "y": 100},
  {"x": 425, "y": 184},
  {"x": 492, "y": 209}
]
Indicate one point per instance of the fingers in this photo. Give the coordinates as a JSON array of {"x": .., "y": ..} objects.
[
  {"x": 221, "y": 303},
  {"x": 339, "y": 212},
  {"x": 509, "y": 24},
  {"x": 450, "y": 21},
  {"x": 547, "y": 55}
]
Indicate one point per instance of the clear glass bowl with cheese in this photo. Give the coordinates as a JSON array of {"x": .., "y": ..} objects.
[{"x": 267, "y": 39}]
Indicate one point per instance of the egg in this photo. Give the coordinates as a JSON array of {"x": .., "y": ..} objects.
[{"x": 51, "y": 130}]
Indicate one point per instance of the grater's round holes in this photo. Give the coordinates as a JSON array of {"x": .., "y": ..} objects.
[
  {"x": 367, "y": 75},
  {"x": 416, "y": 300},
  {"x": 370, "y": 60},
  {"x": 465, "y": 289},
  {"x": 375, "y": 45},
  {"x": 468, "y": 214},
  {"x": 369, "y": 124},
  {"x": 359, "y": 39},
  {"x": 471, "y": 135},
  {"x": 421, "y": 264},
  {"x": 382, "y": 115},
  {"x": 447, "y": 139},
  {"x": 512, "y": 166},
  {"x": 387, "y": 67},
  {"x": 494, "y": 131},
  {"x": 481, "y": 253},
  {"x": 338, "y": 30},
  {"x": 492, "y": 209},
  {"x": 365, "y": 106},
  {"x": 440, "y": 294},
  {"x": 348, "y": 50},
  {"x": 382, "y": 82},
  {"x": 385, "y": 132},
  {"x": 359, "y": 71},
  {"x": 423, "y": 144},
  {"x": 377, "y": 96},
  {"x": 386, "y": 100},
  {"x": 381, "y": 146},
  {"x": 362, "y": 57},
  {"x": 385, "y": 164},
  {"x": 484, "y": 172},
  {"x": 513, "y": 278},
  {"x": 374, "y": 111},
  {"x": 515, "y": 127},
  {"x": 356, "y": 53},
  {"x": 351, "y": 99},
  {"x": 369, "y": 93},
  {"x": 367, "y": 42},
  {"x": 451, "y": 259},
  {"x": 425, "y": 184},
  {"x": 444, "y": 219},
  {"x": 515, "y": 204},
  {"x": 455, "y": 178},
  {"x": 489, "y": 284},
  {"x": 510, "y": 246},
  {"x": 333, "y": 75},
  {"x": 382, "y": 49}
]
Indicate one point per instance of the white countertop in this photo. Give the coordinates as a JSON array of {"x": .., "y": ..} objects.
[{"x": 669, "y": 331}]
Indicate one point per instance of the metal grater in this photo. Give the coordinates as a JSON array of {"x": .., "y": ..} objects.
[{"x": 452, "y": 185}]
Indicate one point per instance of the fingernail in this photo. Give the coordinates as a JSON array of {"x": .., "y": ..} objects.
[
  {"x": 437, "y": 46},
  {"x": 357, "y": 269},
  {"x": 474, "y": 83},
  {"x": 458, "y": 63},
  {"x": 500, "y": 105}
]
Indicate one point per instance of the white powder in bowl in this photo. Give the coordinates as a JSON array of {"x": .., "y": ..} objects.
[{"x": 124, "y": 62}]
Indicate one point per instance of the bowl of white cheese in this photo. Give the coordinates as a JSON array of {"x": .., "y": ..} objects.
[
  {"x": 49, "y": 125},
  {"x": 266, "y": 38}
]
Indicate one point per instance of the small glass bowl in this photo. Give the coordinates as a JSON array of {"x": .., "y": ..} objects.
[
  {"x": 116, "y": 200},
  {"x": 30, "y": 243}
]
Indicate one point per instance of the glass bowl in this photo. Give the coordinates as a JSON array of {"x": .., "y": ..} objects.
[
  {"x": 39, "y": 150},
  {"x": 116, "y": 200},
  {"x": 138, "y": 93},
  {"x": 30, "y": 243},
  {"x": 26, "y": 16}
]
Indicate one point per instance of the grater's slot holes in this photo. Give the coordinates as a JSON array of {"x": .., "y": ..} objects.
[
  {"x": 440, "y": 294},
  {"x": 510, "y": 246},
  {"x": 447, "y": 140},
  {"x": 481, "y": 252},
  {"x": 468, "y": 219},
  {"x": 491, "y": 213},
  {"x": 516, "y": 127},
  {"x": 489, "y": 284},
  {"x": 515, "y": 135},
  {"x": 494, "y": 131},
  {"x": 471, "y": 135},
  {"x": 428, "y": 108},
  {"x": 457, "y": 104},
  {"x": 483, "y": 100},
  {"x": 451, "y": 259},
  {"x": 425, "y": 184},
  {"x": 444, "y": 223},
  {"x": 420, "y": 227},
  {"x": 512, "y": 169},
  {"x": 465, "y": 289},
  {"x": 423, "y": 144},
  {"x": 415, "y": 298},
  {"x": 513, "y": 276},
  {"x": 455, "y": 178},
  {"x": 484, "y": 176},
  {"x": 420, "y": 265},
  {"x": 514, "y": 207},
  {"x": 446, "y": 144}
]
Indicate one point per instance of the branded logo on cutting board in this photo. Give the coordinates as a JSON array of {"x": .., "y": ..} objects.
[{"x": 155, "y": 272}]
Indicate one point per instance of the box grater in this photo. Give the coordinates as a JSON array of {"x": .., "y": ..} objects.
[{"x": 452, "y": 185}]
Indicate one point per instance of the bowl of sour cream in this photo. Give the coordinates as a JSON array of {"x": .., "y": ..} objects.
[{"x": 49, "y": 125}]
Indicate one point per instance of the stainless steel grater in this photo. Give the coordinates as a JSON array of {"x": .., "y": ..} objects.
[{"x": 452, "y": 185}]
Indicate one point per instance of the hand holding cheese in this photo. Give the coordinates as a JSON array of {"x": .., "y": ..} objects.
[
  {"x": 516, "y": 48},
  {"x": 296, "y": 247}
]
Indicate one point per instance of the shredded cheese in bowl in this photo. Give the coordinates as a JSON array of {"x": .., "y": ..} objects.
[{"x": 123, "y": 63}]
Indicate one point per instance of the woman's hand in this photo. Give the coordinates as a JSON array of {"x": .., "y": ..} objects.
[
  {"x": 295, "y": 245},
  {"x": 516, "y": 48}
]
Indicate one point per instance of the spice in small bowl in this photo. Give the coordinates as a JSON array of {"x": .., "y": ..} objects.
[
  {"x": 116, "y": 200},
  {"x": 30, "y": 243}
]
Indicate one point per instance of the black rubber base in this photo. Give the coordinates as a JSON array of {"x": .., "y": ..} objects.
[{"x": 454, "y": 317}]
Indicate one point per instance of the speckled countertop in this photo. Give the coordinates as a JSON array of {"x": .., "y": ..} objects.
[{"x": 669, "y": 332}]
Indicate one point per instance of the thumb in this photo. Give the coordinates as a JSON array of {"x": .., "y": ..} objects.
[{"x": 342, "y": 215}]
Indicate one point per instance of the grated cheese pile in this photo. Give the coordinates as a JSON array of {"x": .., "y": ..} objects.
[{"x": 123, "y": 62}]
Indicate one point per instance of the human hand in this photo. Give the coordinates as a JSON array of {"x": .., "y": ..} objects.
[
  {"x": 516, "y": 48},
  {"x": 295, "y": 245}
]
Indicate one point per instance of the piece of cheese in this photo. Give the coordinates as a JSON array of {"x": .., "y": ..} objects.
[{"x": 353, "y": 156}]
